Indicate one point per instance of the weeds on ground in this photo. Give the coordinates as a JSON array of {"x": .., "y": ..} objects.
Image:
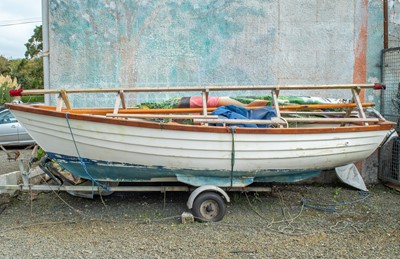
[{"x": 336, "y": 194}]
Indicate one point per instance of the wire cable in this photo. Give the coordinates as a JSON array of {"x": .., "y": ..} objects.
[{"x": 18, "y": 23}]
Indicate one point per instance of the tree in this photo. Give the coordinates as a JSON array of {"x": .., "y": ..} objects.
[
  {"x": 4, "y": 66},
  {"x": 29, "y": 72},
  {"x": 34, "y": 46}
]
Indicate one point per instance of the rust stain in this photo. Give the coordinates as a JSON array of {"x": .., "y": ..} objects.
[
  {"x": 360, "y": 48},
  {"x": 360, "y": 61}
]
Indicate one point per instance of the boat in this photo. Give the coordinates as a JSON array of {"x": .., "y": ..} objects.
[{"x": 129, "y": 144}]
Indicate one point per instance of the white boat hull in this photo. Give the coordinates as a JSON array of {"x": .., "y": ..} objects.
[{"x": 112, "y": 148}]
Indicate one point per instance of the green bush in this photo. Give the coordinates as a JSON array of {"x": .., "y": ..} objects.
[
  {"x": 33, "y": 99},
  {"x": 6, "y": 84}
]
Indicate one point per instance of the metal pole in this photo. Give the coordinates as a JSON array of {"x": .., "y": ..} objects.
[
  {"x": 46, "y": 49},
  {"x": 385, "y": 25}
]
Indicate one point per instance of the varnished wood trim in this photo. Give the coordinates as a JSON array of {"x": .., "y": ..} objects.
[
  {"x": 199, "y": 88},
  {"x": 104, "y": 111},
  {"x": 383, "y": 125}
]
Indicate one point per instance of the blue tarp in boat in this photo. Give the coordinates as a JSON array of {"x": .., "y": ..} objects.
[{"x": 237, "y": 112}]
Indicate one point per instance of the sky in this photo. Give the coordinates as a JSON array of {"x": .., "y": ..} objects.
[{"x": 13, "y": 37}]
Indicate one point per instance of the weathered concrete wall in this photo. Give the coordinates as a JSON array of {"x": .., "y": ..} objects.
[
  {"x": 394, "y": 23},
  {"x": 374, "y": 45},
  {"x": 118, "y": 43}
]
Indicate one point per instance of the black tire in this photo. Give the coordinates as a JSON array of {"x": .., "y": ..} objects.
[{"x": 209, "y": 206}]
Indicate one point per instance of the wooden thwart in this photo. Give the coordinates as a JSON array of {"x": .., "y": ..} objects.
[
  {"x": 233, "y": 121},
  {"x": 214, "y": 119},
  {"x": 161, "y": 116},
  {"x": 344, "y": 114},
  {"x": 333, "y": 120},
  {"x": 282, "y": 121}
]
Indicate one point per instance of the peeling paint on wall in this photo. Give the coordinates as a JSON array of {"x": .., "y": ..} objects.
[
  {"x": 359, "y": 73},
  {"x": 115, "y": 43}
]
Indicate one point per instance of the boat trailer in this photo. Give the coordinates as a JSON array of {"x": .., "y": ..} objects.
[{"x": 207, "y": 202}]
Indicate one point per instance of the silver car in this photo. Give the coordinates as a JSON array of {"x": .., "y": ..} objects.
[{"x": 11, "y": 132}]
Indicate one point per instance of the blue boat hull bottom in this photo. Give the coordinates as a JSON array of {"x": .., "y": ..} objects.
[{"x": 125, "y": 172}]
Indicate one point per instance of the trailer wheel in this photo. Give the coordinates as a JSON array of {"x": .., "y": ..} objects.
[{"x": 209, "y": 206}]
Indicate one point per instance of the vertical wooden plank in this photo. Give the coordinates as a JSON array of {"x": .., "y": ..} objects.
[
  {"x": 275, "y": 94},
  {"x": 59, "y": 103},
  {"x": 65, "y": 98},
  {"x": 205, "y": 98},
  {"x": 117, "y": 104},
  {"x": 122, "y": 96},
  {"x": 357, "y": 100}
]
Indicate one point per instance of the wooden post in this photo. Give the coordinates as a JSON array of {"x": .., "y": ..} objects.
[
  {"x": 204, "y": 95},
  {"x": 275, "y": 94},
  {"x": 117, "y": 104},
  {"x": 122, "y": 96},
  {"x": 63, "y": 98},
  {"x": 59, "y": 103},
  {"x": 357, "y": 100},
  {"x": 120, "y": 99}
]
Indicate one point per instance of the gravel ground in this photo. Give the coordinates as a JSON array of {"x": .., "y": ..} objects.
[{"x": 261, "y": 225}]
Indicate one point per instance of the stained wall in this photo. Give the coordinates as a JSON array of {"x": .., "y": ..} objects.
[
  {"x": 116, "y": 43},
  {"x": 394, "y": 23}
]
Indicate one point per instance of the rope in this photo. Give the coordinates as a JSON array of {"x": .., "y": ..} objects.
[
  {"x": 332, "y": 207},
  {"x": 58, "y": 196},
  {"x": 82, "y": 162},
  {"x": 232, "y": 154}
]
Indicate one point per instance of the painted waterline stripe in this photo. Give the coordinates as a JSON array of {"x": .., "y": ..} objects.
[{"x": 126, "y": 172}]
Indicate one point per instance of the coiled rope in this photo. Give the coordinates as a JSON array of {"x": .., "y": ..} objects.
[{"x": 332, "y": 207}]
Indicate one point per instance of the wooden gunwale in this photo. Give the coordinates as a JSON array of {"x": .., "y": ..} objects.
[
  {"x": 114, "y": 115},
  {"x": 382, "y": 125}
]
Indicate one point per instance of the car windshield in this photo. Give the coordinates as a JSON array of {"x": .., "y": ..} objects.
[{"x": 6, "y": 117}]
